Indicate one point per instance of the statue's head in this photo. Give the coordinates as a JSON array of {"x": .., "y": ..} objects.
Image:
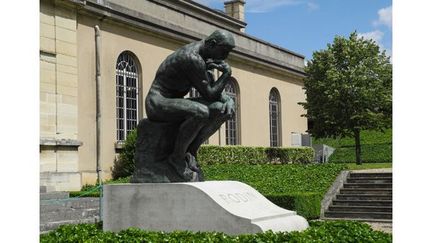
[{"x": 219, "y": 44}]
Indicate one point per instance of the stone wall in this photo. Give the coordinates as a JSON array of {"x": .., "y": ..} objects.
[{"x": 58, "y": 97}]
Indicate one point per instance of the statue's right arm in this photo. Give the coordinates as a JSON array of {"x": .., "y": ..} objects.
[{"x": 208, "y": 89}]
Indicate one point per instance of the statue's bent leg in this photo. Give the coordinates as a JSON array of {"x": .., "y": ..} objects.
[
  {"x": 205, "y": 133},
  {"x": 210, "y": 127},
  {"x": 192, "y": 115}
]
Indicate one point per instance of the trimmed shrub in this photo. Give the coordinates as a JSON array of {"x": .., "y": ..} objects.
[
  {"x": 211, "y": 154},
  {"x": 124, "y": 165},
  {"x": 307, "y": 204},
  {"x": 322, "y": 231},
  {"x": 294, "y": 186},
  {"x": 376, "y": 147}
]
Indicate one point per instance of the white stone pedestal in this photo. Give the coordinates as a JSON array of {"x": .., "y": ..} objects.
[{"x": 225, "y": 206}]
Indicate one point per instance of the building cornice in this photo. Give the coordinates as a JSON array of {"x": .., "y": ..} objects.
[{"x": 145, "y": 22}]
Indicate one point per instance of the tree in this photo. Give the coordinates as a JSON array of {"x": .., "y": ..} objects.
[{"x": 348, "y": 89}]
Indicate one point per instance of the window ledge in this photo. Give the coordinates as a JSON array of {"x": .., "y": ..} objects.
[{"x": 59, "y": 142}]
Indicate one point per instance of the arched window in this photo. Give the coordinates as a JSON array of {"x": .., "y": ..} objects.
[
  {"x": 232, "y": 126},
  {"x": 275, "y": 118},
  {"x": 126, "y": 94}
]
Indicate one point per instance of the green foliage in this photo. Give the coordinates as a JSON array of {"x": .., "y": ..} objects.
[
  {"x": 322, "y": 231},
  {"x": 291, "y": 186},
  {"x": 367, "y": 137},
  {"x": 376, "y": 147},
  {"x": 306, "y": 204},
  {"x": 125, "y": 165},
  {"x": 94, "y": 191},
  {"x": 210, "y": 154},
  {"x": 375, "y": 154},
  {"x": 278, "y": 179},
  {"x": 348, "y": 89}
]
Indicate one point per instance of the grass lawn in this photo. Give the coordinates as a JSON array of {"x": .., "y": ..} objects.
[
  {"x": 376, "y": 147},
  {"x": 277, "y": 179}
]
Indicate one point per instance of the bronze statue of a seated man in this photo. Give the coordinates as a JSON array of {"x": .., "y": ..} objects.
[{"x": 186, "y": 68}]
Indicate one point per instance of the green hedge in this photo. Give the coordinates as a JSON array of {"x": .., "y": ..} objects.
[
  {"x": 376, "y": 147},
  {"x": 291, "y": 186},
  {"x": 371, "y": 153},
  {"x": 323, "y": 231},
  {"x": 211, "y": 154},
  {"x": 306, "y": 204}
]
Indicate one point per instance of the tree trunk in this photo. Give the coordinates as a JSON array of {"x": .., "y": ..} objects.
[{"x": 357, "y": 146}]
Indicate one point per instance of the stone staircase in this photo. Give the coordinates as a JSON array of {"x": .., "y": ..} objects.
[
  {"x": 364, "y": 196},
  {"x": 56, "y": 208}
]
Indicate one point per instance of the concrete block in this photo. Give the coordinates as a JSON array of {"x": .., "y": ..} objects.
[
  {"x": 66, "y": 132},
  {"x": 67, "y": 69},
  {"x": 67, "y": 90},
  {"x": 89, "y": 178},
  {"x": 67, "y": 79},
  {"x": 47, "y": 87},
  {"x": 47, "y": 44},
  {"x": 48, "y": 119},
  {"x": 46, "y": 18},
  {"x": 47, "y": 108},
  {"x": 47, "y": 76},
  {"x": 69, "y": 100},
  {"x": 47, "y": 30},
  {"x": 48, "y": 66},
  {"x": 67, "y": 22},
  {"x": 47, "y": 97},
  {"x": 224, "y": 206},
  {"x": 67, "y": 161},
  {"x": 48, "y": 161},
  {"x": 61, "y": 181},
  {"x": 47, "y": 130},
  {"x": 67, "y": 119},
  {"x": 66, "y": 60},
  {"x": 66, "y": 35},
  {"x": 66, "y": 48}
]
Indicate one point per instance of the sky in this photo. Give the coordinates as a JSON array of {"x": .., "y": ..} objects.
[{"x": 305, "y": 26}]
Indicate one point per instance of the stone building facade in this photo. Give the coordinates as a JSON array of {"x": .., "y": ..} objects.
[{"x": 135, "y": 37}]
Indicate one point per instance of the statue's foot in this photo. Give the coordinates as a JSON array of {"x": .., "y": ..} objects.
[
  {"x": 192, "y": 163},
  {"x": 194, "y": 166},
  {"x": 182, "y": 170}
]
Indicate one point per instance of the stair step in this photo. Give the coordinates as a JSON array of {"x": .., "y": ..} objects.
[
  {"x": 384, "y": 191},
  {"x": 53, "y": 195},
  {"x": 363, "y": 197},
  {"x": 75, "y": 203},
  {"x": 362, "y": 202},
  {"x": 68, "y": 214},
  {"x": 46, "y": 227},
  {"x": 369, "y": 180},
  {"x": 363, "y": 215},
  {"x": 380, "y": 174},
  {"x": 367, "y": 185},
  {"x": 343, "y": 208}
]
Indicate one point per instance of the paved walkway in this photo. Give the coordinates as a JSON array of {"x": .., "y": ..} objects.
[
  {"x": 374, "y": 170},
  {"x": 385, "y": 227}
]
